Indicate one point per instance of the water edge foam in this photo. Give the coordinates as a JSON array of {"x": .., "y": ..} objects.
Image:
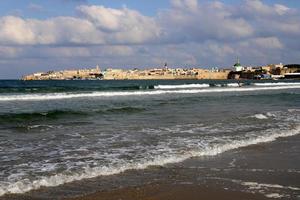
[{"x": 59, "y": 179}]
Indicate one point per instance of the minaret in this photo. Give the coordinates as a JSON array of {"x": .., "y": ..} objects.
[
  {"x": 237, "y": 66},
  {"x": 238, "y": 60}
]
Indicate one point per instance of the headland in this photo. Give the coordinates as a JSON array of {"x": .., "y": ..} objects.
[{"x": 237, "y": 71}]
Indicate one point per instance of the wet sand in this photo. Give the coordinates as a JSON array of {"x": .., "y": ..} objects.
[
  {"x": 171, "y": 192},
  {"x": 222, "y": 177}
]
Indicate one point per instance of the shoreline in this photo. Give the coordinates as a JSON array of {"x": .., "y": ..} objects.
[{"x": 239, "y": 174}]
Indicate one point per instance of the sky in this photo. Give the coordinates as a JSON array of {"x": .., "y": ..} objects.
[{"x": 39, "y": 35}]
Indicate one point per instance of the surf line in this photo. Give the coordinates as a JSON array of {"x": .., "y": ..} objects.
[
  {"x": 56, "y": 96},
  {"x": 55, "y": 180}
]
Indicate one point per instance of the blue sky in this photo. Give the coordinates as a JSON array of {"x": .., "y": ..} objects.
[
  {"x": 38, "y": 35},
  {"x": 67, "y": 7}
]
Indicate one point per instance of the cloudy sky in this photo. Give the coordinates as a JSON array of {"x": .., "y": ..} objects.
[{"x": 38, "y": 35}]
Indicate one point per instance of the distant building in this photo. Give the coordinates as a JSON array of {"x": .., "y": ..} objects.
[
  {"x": 291, "y": 71},
  {"x": 237, "y": 66},
  {"x": 80, "y": 74}
]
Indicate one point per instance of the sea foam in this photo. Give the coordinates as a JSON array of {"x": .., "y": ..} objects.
[
  {"x": 255, "y": 185},
  {"x": 185, "y": 86},
  {"x": 260, "y": 116},
  {"x": 277, "y": 84},
  {"x": 160, "y": 160},
  {"x": 57, "y": 96},
  {"x": 233, "y": 85}
]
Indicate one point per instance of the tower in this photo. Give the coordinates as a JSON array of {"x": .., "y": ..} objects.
[
  {"x": 237, "y": 66},
  {"x": 97, "y": 68}
]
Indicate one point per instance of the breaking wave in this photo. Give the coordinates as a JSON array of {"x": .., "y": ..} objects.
[
  {"x": 56, "y": 96},
  {"x": 277, "y": 84},
  {"x": 159, "y": 160},
  {"x": 47, "y": 87},
  {"x": 185, "y": 86},
  {"x": 204, "y": 85},
  {"x": 233, "y": 85},
  {"x": 255, "y": 185},
  {"x": 260, "y": 116},
  {"x": 51, "y": 89}
]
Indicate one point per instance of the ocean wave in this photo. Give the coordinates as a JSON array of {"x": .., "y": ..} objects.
[
  {"x": 26, "y": 185},
  {"x": 30, "y": 90},
  {"x": 66, "y": 88},
  {"x": 275, "y": 195},
  {"x": 260, "y": 116},
  {"x": 205, "y": 85},
  {"x": 255, "y": 185},
  {"x": 40, "y": 126},
  {"x": 233, "y": 85},
  {"x": 57, "y": 96},
  {"x": 191, "y": 86},
  {"x": 277, "y": 84},
  {"x": 60, "y": 87},
  {"x": 184, "y": 86},
  {"x": 126, "y": 109},
  {"x": 36, "y": 116},
  {"x": 58, "y": 114}
]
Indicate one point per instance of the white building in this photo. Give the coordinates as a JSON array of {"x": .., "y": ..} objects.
[{"x": 237, "y": 66}]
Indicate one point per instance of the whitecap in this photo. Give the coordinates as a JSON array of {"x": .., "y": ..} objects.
[
  {"x": 260, "y": 116},
  {"x": 255, "y": 185},
  {"x": 277, "y": 84},
  {"x": 184, "y": 86},
  {"x": 275, "y": 195},
  {"x": 233, "y": 85},
  {"x": 57, "y": 96}
]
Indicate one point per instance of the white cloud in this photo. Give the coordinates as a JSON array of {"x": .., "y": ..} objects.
[
  {"x": 121, "y": 25},
  {"x": 98, "y": 25},
  {"x": 269, "y": 43},
  {"x": 107, "y": 19},
  {"x": 185, "y": 4},
  {"x": 185, "y": 21},
  {"x": 15, "y": 30},
  {"x": 281, "y": 9},
  {"x": 257, "y": 7},
  {"x": 59, "y": 30},
  {"x": 208, "y": 21}
]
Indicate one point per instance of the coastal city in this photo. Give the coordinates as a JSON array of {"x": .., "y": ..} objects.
[
  {"x": 237, "y": 71},
  {"x": 149, "y": 100}
]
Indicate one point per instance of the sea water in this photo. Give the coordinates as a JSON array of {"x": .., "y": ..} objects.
[{"x": 57, "y": 132}]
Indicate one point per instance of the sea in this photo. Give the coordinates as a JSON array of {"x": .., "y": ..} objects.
[{"x": 55, "y": 134}]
